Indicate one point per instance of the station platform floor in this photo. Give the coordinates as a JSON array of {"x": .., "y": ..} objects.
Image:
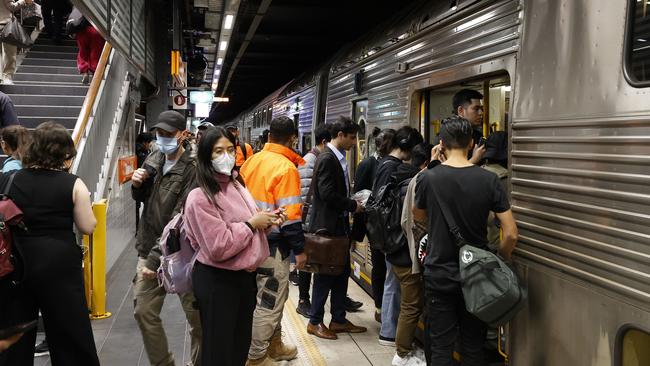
[{"x": 119, "y": 342}]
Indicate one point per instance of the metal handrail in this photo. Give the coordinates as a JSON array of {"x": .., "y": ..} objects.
[{"x": 93, "y": 90}]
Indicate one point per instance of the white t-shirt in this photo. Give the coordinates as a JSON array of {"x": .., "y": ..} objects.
[{"x": 169, "y": 164}]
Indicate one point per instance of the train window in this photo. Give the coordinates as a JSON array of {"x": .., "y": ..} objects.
[
  {"x": 637, "y": 53},
  {"x": 437, "y": 105},
  {"x": 633, "y": 348}
]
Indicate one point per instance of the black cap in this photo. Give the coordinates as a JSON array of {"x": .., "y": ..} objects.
[
  {"x": 231, "y": 126},
  {"x": 171, "y": 121},
  {"x": 496, "y": 146},
  {"x": 205, "y": 125}
]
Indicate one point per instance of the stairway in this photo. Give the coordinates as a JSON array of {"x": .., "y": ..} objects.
[{"x": 48, "y": 85}]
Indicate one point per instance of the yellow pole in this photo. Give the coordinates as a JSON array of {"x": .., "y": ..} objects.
[{"x": 98, "y": 258}]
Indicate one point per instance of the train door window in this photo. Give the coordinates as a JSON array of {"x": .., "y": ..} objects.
[
  {"x": 306, "y": 144},
  {"x": 633, "y": 348},
  {"x": 360, "y": 116},
  {"x": 637, "y": 55},
  {"x": 436, "y": 105}
]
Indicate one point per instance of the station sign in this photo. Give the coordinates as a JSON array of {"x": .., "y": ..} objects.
[{"x": 201, "y": 96}]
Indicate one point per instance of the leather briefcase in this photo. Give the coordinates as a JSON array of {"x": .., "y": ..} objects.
[{"x": 327, "y": 255}]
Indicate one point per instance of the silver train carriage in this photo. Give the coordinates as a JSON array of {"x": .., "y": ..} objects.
[{"x": 569, "y": 81}]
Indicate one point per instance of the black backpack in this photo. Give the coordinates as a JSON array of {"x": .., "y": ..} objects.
[{"x": 384, "y": 213}]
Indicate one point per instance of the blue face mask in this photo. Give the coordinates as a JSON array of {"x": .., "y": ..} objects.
[{"x": 167, "y": 145}]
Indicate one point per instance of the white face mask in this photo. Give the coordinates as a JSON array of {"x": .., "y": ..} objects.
[
  {"x": 167, "y": 145},
  {"x": 224, "y": 163}
]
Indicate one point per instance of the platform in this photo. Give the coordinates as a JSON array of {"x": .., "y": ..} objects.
[{"x": 119, "y": 342}]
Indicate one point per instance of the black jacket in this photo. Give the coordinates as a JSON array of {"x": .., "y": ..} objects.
[
  {"x": 330, "y": 200},
  {"x": 402, "y": 175},
  {"x": 365, "y": 174}
]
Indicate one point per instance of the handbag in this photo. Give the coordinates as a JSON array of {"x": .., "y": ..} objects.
[
  {"x": 10, "y": 216},
  {"x": 491, "y": 288},
  {"x": 326, "y": 254},
  {"x": 13, "y": 33},
  {"x": 76, "y": 22}
]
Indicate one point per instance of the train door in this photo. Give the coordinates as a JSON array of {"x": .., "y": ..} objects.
[{"x": 360, "y": 258}]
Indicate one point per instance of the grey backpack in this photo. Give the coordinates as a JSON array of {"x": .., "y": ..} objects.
[{"x": 491, "y": 289}]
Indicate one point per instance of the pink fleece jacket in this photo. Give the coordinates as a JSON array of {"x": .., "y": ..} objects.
[{"x": 220, "y": 233}]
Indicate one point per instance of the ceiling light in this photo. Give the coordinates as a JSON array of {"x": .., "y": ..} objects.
[
  {"x": 220, "y": 61},
  {"x": 223, "y": 45},
  {"x": 229, "y": 20}
]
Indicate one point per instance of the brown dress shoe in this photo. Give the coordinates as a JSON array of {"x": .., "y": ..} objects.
[
  {"x": 321, "y": 331},
  {"x": 346, "y": 328}
]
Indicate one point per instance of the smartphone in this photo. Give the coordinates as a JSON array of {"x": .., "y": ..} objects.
[
  {"x": 16, "y": 329},
  {"x": 482, "y": 141}
]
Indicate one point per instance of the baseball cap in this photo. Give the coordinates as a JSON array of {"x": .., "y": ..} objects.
[
  {"x": 170, "y": 121},
  {"x": 204, "y": 125},
  {"x": 232, "y": 126}
]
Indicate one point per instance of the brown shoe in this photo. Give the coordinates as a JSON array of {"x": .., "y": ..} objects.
[
  {"x": 321, "y": 331},
  {"x": 264, "y": 361},
  {"x": 279, "y": 351},
  {"x": 346, "y": 328}
]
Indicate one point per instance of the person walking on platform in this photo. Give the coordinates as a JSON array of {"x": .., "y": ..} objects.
[
  {"x": 90, "y": 44},
  {"x": 470, "y": 193},
  {"x": 222, "y": 222},
  {"x": 272, "y": 178},
  {"x": 330, "y": 208},
  {"x": 51, "y": 279},
  {"x": 9, "y": 51},
  {"x": 243, "y": 152},
  {"x": 165, "y": 179}
]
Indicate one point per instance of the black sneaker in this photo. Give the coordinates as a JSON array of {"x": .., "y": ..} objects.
[
  {"x": 303, "y": 308},
  {"x": 385, "y": 341},
  {"x": 293, "y": 277},
  {"x": 41, "y": 349},
  {"x": 351, "y": 305}
]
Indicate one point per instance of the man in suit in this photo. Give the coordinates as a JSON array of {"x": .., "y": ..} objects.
[{"x": 330, "y": 210}]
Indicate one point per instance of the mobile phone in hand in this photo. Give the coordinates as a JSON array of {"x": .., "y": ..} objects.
[
  {"x": 482, "y": 141},
  {"x": 16, "y": 329}
]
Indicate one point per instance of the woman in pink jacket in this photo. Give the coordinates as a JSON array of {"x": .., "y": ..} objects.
[{"x": 223, "y": 224}]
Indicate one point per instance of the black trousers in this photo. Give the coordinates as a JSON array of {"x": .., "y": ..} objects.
[
  {"x": 323, "y": 284},
  {"x": 58, "y": 8},
  {"x": 304, "y": 284},
  {"x": 446, "y": 321},
  {"x": 53, "y": 283},
  {"x": 378, "y": 276},
  {"x": 226, "y": 303}
]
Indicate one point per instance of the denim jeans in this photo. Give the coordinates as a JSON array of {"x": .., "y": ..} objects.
[
  {"x": 390, "y": 304},
  {"x": 447, "y": 320}
]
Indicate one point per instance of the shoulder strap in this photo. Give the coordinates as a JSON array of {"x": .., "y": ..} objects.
[
  {"x": 449, "y": 218},
  {"x": 243, "y": 150},
  {"x": 9, "y": 183}
]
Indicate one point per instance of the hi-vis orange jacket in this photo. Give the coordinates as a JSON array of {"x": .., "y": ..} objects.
[{"x": 272, "y": 178}]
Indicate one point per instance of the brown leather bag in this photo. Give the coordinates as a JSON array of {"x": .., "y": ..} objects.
[{"x": 326, "y": 254}]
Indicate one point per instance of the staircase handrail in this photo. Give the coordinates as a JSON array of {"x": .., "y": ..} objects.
[{"x": 91, "y": 95}]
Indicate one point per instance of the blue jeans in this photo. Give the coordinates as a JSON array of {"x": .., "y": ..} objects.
[{"x": 390, "y": 304}]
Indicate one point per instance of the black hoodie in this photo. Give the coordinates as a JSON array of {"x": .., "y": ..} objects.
[{"x": 402, "y": 175}]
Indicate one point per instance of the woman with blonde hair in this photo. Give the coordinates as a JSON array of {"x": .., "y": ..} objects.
[{"x": 15, "y": 141}]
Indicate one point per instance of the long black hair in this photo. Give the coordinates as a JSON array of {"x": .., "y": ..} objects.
[{"x": 205, "y": 173}]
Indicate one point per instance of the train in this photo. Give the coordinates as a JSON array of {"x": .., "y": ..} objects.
[{"x": 569, "y": 80}]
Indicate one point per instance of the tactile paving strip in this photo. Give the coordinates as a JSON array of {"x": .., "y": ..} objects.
[{"x": 295, "y": 333}]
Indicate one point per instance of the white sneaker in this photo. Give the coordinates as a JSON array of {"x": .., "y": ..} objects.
[
  {"x": 419, "y": 353},
  {"x": 7, "y": 80},
  {"x": 409, "y": 360}
]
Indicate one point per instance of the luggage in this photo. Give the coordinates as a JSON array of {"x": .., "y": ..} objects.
[
  {"x": 491, "y": 288},
  {"x": 326, "y": 254},
  {"x": 178, "y": 257},
  {"x": 384, "y": 215},
  {"x": 10, "y": 219},
  {"x": 13, "y": 33}
]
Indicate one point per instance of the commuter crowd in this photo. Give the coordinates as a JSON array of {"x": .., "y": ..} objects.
[{"x": 248, "y": 219}]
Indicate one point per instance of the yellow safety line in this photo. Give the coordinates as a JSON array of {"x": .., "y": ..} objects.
[
  {"x": 363, "y": 275},
  {"x": 313, "y": 354}
]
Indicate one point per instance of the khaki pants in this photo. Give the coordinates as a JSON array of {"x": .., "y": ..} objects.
[
  {"x": 410, "y": 308},
  {"x": 148, "y": 300},
  {"x": 272, "y": 293},
  {"x": 8, "y": 60}
]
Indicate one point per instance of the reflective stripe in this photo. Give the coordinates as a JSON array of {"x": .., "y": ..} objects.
[
  {"x": 265, "y": 206},
  {"x": 289, "y": 222},
  {"x": 289, "y": 201}
]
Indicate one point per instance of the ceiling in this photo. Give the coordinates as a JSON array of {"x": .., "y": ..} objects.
[{"x": 273, "y": 41}]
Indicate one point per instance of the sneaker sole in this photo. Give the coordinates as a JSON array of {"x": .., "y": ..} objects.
[
  {"x": 386, "y": 343},
  {"x": 41, "y": 354}
]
